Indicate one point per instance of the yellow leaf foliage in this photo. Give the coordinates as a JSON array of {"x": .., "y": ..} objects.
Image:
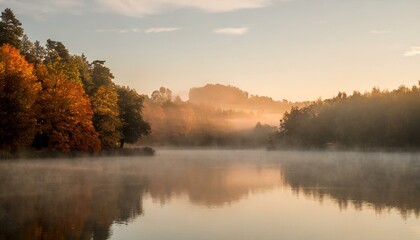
[{"x": 106, "y": 116}]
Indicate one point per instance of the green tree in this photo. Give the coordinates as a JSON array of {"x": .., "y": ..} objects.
[
  {"x": 130, "y": 105},
  {"x": 106, "y": 117},
  {"x": 101, "y": 75},
  {"x": 56, "y": 51},
  {"x": 32, "y": 51},
  {"x": 39, "y": 53},
  {"x": 27, "y": 49},
  {"x": 10, "y": 29},
  {"x": 58, "y": 59},
  {"x": 85, "y": 73},
  {"x": 18, "y": 92}
]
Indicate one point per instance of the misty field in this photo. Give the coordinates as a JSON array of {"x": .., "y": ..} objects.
[{"x": 214, "y": 194}]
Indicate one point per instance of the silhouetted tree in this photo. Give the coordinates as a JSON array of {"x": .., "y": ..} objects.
[
  {"x": 56, "y": 51},
  {"x": 130, "y": 104},
  {"x": 374, "y": 119},
  {"x": 163, "y": 95},
  {"x": 10, "y": 29},
  {"x": 218, "y": 94},
  {"x": 27, "y": 48},
  {"x": 34, "y": 53},
  {"x": 101, "y": 75}
]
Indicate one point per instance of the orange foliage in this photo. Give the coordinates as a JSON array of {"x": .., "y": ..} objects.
[
  {"x": 18, "y": 92},
  {"x": 65, "y": 114}
]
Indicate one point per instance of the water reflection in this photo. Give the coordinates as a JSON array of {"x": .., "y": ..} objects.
[
  {"x": 381, "y": 181},
  {"x": 82, "y": 199},
  {"x": 65, "y": 201},
  {"x": 211, "y": 185}
]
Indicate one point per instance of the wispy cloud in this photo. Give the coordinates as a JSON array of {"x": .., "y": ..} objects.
[
  {"x": 134, "y": 8},
  {"x": 231, "y": 31},
  {"x": 41, "y": 7},
  {"x": 161, "y": 29},
  {"x": 128, "y": 30},
  {"x": 137, "y": 30},
  {"x": 380, "y": 31},
  {"x": 414, "y": 51},
  {"x": 138, "y": 8}
]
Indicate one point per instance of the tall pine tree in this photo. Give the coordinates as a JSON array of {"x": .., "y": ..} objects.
[{"x": 11, "y": 31}]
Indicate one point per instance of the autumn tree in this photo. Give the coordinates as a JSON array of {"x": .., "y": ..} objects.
[
  {"x": 10, "y": 29},
  {"x": 65, "y": 113},
  {"x": 130, "y": 105},
  {"x": 18, "y": 92},
  {"x": 60, "y": 101},
  {"x": 106, "y": 117}
]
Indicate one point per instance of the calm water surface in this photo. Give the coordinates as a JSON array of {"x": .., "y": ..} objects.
[{"x": 214, "y": 194}]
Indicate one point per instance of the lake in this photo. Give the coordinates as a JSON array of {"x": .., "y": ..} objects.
[{"x": 214, "y": 194}]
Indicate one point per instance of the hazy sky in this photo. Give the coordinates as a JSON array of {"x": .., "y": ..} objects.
[{"x": 292, "y": 49}]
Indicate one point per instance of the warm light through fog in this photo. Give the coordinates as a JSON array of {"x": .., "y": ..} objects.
[{"x": 209, "y": 119}]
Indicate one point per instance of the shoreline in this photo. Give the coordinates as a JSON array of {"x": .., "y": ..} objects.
[{"x": 44, "y": 154}]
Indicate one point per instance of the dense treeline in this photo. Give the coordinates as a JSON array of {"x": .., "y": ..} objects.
[
  {"x": 51, "y": 99},
  {"x": 376, "y": 119}
]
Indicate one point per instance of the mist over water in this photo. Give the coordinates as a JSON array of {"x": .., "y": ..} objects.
[{"x": 214, "y": 194}]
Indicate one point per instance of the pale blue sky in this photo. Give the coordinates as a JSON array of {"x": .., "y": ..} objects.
[{"x": 296, "y": 49}]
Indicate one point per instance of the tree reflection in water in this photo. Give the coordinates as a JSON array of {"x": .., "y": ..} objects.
[
  {"x": 382, "y": 181},
  {"x": 66, "y": 200},
  {"x": 81, "y": 199}
]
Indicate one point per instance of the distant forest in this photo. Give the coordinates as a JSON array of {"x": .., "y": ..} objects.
[
  {"x": 376, "y": 119},
  {"x": 214, "y": 115},
  {"x": 230, "y": 97},
  {"x": 53, "y": 100}
]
